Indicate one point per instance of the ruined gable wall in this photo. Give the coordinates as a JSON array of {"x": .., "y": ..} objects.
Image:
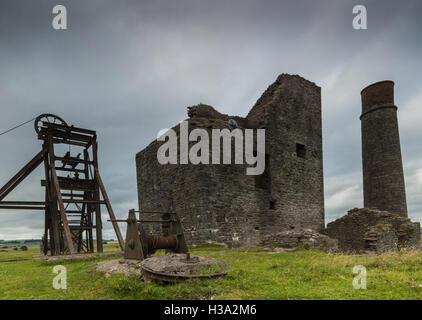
[
  {"x": 216, "y": 203},
  {"x": 290, "y": 110}
]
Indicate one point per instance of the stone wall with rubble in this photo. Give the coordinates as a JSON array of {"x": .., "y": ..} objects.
[
  {"x": 374, "y": 230},
  {"x": 306, "y": 237},
  {"x": 381, "y": 238},
  {"x": 220, "y": 203}
]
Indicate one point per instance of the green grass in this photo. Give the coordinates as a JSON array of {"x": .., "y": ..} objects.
[{"x": 255, "y": 274}]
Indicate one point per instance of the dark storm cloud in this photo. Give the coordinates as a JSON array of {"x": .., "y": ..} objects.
[{"x": 129, "y": 68}]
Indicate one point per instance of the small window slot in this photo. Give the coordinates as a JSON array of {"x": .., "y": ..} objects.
[{"x": 300, "y": 150}]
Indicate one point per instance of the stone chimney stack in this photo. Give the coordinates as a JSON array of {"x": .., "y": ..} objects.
[{"x": 383, "y": 180}]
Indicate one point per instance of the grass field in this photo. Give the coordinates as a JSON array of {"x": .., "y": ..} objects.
[{"x": 255, "y": 274}]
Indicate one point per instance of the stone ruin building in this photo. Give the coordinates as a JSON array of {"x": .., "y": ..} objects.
[
  {"x": 219, "y": 203},
  {"x": 383, "y": 224},
  {"x": 370, "y": 229}
]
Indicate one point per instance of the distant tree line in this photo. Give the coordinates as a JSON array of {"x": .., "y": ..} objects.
[{"x": 32, "y": 241}]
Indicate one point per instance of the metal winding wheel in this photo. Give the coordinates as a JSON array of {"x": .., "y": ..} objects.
[{"x": 47, "y": 117}]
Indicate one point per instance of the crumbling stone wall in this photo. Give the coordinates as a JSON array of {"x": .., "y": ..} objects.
[
  {"x": 220, "y": 203},
  {"x": 381, "y": 238},
  {"x": 372, "y": 229},
  {"x": 307, "y": 237}
]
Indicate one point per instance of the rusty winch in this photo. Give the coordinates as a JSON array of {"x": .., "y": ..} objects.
[{"x": 139, "y": 244}]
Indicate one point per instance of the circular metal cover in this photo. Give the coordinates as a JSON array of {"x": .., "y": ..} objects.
[{"x": 178, "y": 267}]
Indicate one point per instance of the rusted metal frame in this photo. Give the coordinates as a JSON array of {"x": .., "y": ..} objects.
[
  {"x": 77, "y": 238},
  {"x": 139, "y": 245},
  {"x": 72, "y": 195},
  {"x": 61, "y": 137},
  {"x": 87, "y": 222},
  {"x": 90, "y": 142},
  {"x": 83, "y": 210},
  {"x": 66, "y": 186},
  {"x": 73, "y": 221},
  {"x": 67, "y": 128},
  {"x": 51, "y": 237},
  {"x": 110, "y": 210},
  {"x": 96, "y": 196},
  {"x": 80, "y": 227},
  {"x": 56, "y": 244},
  {"x": 47, "y": 222},
  {"x": 134, "y": 244},
  {"x": 21, "y": 172},
  {"x": 51, "y": 208},
  {"x": 22, "y": 207},
  {"x": 73, "y": 137},
  {"x": 82, "y": 222},
  {"x": 46, "y": 228},
  {"x": 158, "y": 242},
  {"x": 84, "y": 201},
  {"x": 36, "y": 203},
  {"x": 70, "y": 161},
  {"x": 76, "y": 160},
  {"x": 88, "y": 196},
  {"x": 89, "y": 234},
  {"x": 86, "y": 182},
  {"x": 65, "y": 134},
  {"x": 175, "y": 228},
  {"x": 69, "y": 184},
  {"x": 21, "y": 175},
  {"x": 69, "y": 170},
  {"x": 73, "y": 143},
  {"x": 62, "y": 140},
  {"x": 83, "y": 246},
  {"x": 59, "y": 198}
]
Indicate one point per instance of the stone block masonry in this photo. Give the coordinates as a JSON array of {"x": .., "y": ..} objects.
[
  {"x": 220, "y": 203},
  {"x": 374, "y": 230}
]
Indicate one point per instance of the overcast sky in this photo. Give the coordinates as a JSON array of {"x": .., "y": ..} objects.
[{"x": 130, "y": 68}]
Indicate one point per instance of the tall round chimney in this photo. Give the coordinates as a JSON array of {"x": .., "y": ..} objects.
[{"x": 383, "y": 180}]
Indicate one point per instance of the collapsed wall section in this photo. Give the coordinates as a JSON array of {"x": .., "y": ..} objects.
[{"x": 365, "y": 229}]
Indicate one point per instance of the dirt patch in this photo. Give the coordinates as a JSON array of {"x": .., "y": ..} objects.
[
  {"x": 183, "y": 265},
  {"x": 125, "y": 266}
]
